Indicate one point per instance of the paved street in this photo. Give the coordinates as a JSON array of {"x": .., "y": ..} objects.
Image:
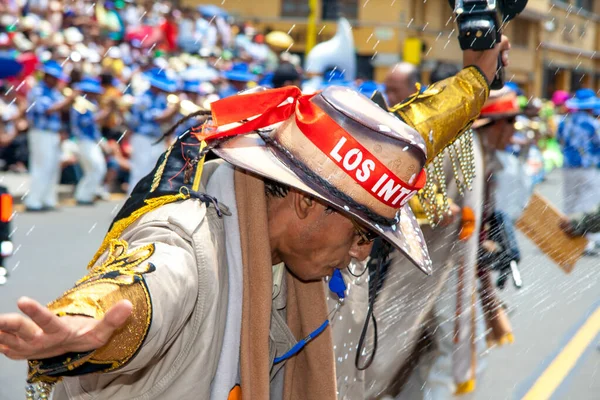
[{"x": 550, "y": 314}]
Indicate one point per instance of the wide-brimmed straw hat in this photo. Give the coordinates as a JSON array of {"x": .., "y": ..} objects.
[
  {"x": 501, "y": 104},
  {"x": 336, "y": 145}
]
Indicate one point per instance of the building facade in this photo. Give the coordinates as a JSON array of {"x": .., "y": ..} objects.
[{"x": 556, "y": 43}]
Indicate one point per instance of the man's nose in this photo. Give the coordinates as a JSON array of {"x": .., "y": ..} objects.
[{"x": 360, "y": 252}]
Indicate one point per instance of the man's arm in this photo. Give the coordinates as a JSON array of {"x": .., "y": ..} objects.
[
  {"x": 104, "y": 322},
  {"x": 461, "y": 96}
]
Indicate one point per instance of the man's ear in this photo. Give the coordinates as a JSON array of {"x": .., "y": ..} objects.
[{"x": 303, "y": 204}]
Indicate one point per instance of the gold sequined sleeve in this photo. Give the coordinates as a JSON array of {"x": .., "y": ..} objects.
[
  {"x": 120, "y": 276},
  {"x": 446, "y": 109}
]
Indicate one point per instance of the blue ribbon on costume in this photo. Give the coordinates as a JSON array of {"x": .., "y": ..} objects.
[{"x": 337, "y": 286}]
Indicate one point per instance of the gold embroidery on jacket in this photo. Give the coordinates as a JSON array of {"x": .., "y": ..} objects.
[{"x": 119, "y": 226}]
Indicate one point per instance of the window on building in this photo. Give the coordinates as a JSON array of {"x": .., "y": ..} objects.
[
  {"x": 579, "y": 80},
  {"x": 333, "y": 9},
  {"x": 550, "y": 83},
  {"x": 587, "y": 5},
  {"x": 364, "y": 67},
  {"x": 295, "y": 8},
  {"x": 520, "y": 33}
]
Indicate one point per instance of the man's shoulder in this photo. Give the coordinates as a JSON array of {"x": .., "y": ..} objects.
[{"x": 185, "y": 216}]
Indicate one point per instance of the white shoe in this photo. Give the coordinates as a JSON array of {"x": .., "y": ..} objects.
[{"x": 103, "y": 194}]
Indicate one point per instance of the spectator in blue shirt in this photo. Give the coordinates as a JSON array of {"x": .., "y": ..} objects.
[{"x": 44, "y": 114}]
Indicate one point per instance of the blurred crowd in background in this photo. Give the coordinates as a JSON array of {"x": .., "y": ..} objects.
[{"x": 110, "y": 73}]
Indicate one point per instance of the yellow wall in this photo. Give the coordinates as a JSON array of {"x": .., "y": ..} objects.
[
  {"x": 565, "y": 25},
  {"x": 244, "y": 8}
]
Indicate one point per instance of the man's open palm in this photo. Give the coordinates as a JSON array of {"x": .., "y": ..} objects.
[{"x": 45, "y": 335}]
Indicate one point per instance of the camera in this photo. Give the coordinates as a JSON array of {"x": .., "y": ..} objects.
[{"x": 480, "y": 25}]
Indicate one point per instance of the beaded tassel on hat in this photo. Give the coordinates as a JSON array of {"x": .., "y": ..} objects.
[{"x": 462, "y": 158}]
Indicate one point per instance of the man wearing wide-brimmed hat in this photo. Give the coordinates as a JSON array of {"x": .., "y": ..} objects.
[
  {"x": 579, "y": 137},
  {"x": 44, "y": 137},
  {"x": 209, "y": 281}
]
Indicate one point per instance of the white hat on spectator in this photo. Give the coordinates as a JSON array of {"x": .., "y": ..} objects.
[
  {"x": 93, "y": 56},
  {"x": 45, "y": 28},
  {"x": 21, "y": 42},
  {"x": 8, "y": 20},
  {"x": 73, "y": 35},
  {"x": 114, "y": 52},
  {"x": 58, "y": 39},
  {"x": 29, "y": 22},
  {"x": 63, "y": 51}
]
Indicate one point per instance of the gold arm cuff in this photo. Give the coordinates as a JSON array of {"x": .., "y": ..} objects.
[
  {"x": 446, "y": 109},
  {"x": 120, "y": 277},
  {"x": 94, "y": 299}
]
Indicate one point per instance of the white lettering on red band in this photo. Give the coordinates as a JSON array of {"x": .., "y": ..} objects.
[
  {"x": 404, "y": 192},
  {"x": 364, "y": 174},
  {"x": 351, "y": 166},
  {"x": 388, "y": 190},
  {"x": 335, "y": 153},
  {"x": 379, "y": 182},
  {"x": 385, "y": 188}
]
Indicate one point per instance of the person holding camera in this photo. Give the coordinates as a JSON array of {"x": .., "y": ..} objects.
[{"x": 398, "y": 316}]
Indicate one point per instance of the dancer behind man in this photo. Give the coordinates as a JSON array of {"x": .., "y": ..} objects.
[
  {"x": 400, "y": 319},
  {"x": 287, "y": 207}
]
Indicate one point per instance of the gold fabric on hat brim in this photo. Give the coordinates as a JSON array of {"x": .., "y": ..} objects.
[{"x": 249, "y": 152}]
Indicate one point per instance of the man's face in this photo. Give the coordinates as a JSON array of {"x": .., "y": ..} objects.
[
  {"x": 315, "y": 240},
  {"x": 397, "y": 88}
]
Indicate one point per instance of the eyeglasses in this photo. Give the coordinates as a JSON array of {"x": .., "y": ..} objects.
[{"x": 366, "y": 235}]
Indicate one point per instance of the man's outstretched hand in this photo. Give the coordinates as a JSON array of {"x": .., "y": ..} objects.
[{"x": 45, "y": 335}]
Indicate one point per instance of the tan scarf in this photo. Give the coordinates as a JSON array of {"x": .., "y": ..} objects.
[{"x": 310, "y": 374}]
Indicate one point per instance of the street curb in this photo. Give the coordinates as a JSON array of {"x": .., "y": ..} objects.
[
  {"x": 65, "y": 192},
  {"x": 65, "y": 198}
]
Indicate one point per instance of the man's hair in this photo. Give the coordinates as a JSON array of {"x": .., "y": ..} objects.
[
  {"x": 414, "y": 77},
  {"x": 275, "y": 189},
  {"x": 286, "y": 72},
  {"x": 413, "y": 74},
  {"x": 443, "y": 71}
]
